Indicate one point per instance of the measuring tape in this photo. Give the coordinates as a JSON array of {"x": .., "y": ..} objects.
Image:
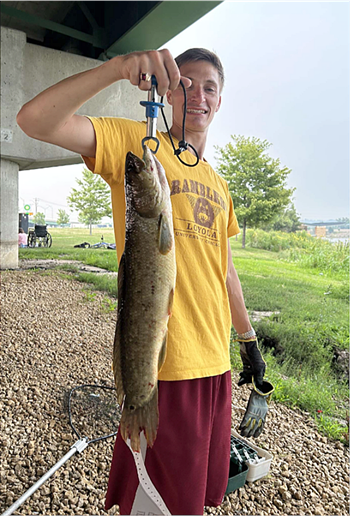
[{"x": 147, "y": 499}]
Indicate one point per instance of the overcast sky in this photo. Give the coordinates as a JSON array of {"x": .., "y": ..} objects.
[{"x": 287, "y": 81}]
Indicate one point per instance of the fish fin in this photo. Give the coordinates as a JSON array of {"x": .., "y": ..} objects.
[
  {"x": 171, "y": 302},
  {"x": 162, "y": 354},
  {"x": 117, "y": 370},
  {"x": 143, "y": 418},
  {"x": 165, "y": 238}
]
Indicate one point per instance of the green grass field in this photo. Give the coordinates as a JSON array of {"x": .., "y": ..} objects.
[
  {"x": 64, "y": 240},
  {"x": 298, "y": 342}
]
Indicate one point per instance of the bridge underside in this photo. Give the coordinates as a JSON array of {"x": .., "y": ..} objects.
[{"x": 44, "y": 42}]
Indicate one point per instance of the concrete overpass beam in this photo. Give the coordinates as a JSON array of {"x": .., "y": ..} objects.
[
  {"x": 26, "y": 70},
  {"x": 8, "y": 215}
]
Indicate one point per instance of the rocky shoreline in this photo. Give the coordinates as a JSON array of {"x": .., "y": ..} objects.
[{"x": 55, "y": 337}]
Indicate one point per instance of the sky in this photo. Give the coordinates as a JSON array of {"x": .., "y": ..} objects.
[{"x": 287, "y": 81}]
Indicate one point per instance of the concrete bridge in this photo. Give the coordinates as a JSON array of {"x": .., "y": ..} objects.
[{"x": 45, "y": 42}]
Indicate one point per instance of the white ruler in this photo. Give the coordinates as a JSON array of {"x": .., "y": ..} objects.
[{"x": 147, "y": 499}]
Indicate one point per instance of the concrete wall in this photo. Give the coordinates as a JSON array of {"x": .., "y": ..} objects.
[
  {"x": 26, "y": 70},
  {"x": 9, "y": 215}
]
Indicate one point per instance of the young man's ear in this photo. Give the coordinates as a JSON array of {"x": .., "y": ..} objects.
[{"x": 218, "y": 106}]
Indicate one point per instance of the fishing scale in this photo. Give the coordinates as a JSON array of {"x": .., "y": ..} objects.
[{"x": 152, "y": 106}]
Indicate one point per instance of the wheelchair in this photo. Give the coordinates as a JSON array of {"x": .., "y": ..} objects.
[{"x": 39, "y": 237}]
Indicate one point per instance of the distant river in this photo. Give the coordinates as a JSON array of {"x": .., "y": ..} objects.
[{"x": 335, "y": 240}]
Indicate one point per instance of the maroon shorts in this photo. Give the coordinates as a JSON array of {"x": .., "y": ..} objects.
[{"x": 189, "y": 461}]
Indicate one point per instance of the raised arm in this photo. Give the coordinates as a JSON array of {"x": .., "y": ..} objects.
[{"x": 50, "y": 116}]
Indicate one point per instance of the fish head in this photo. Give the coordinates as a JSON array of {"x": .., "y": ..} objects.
[{"x": 144, "y": 183}]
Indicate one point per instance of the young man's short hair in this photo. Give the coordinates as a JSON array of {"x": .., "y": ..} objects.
[{"x": 202, "y": 54}]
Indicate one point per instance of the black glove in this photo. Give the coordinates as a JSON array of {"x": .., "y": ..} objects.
[
  {"x": 254, "y": 418},
  {"x": 253, "y": 363}
]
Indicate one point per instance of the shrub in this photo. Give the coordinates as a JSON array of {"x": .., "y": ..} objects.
[{"x": 302, "y": 248}]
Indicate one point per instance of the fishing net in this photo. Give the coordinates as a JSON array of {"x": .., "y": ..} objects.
[{"x": 94, "y": 413}]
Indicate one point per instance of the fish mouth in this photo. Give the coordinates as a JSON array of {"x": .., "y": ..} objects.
[
  {"x": 133, "y": 164},
  {"x": 142, "y": 184},
  {"x": 152, "y": 163},
  {"x": 148, "y": 158}
]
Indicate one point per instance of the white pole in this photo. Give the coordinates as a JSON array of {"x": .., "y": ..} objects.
[{"x": 78, "y": 446}]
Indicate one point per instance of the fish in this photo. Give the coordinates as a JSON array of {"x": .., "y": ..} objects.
[{"x": 146, "y": 288}]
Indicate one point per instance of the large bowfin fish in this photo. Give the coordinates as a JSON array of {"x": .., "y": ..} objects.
[{"x": 146, "y": 285}]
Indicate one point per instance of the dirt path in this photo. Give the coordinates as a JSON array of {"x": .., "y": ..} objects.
[
  {"x": 55, "y": 337},
  {"x": 50, "y": 264}
]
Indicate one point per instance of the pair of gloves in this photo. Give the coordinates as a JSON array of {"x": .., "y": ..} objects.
[{"x": 253, "y": 372}]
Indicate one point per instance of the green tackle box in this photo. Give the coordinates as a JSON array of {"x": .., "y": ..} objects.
[
  {"x": 236, "y": 479},
  {"x": 239, "y": 454}
]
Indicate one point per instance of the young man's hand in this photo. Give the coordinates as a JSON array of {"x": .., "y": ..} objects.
[
  {"x": 254, "y": 418},
  {"x": 52, "y": 116},
  {"x": 152, "y": 62},
  {"x": 253, "y": 363}
]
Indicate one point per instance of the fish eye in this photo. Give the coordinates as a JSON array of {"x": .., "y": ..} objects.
[{"x": 131, "y": 407}]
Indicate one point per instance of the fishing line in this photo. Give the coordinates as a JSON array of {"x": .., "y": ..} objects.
[{"x": 183, "y": 145}]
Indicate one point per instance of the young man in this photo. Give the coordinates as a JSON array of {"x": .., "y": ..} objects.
[{"x": 189, "y": 461}]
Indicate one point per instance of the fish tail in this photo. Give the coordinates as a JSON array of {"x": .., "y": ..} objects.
[{"x": 143, "y": 418}]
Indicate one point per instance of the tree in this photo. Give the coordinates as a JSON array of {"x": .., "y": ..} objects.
[
  {"x": 288, "y": 220},
  {"x": 63, "y": 217},
  {"x": 39, "y": 218},
  {"x": 92, "y": 200},
  {"x": 257, "y": 183},
  {"x": 343, "y": 222}
]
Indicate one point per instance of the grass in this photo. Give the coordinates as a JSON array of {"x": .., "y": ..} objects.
[
  {"x": 298, "y": 343},
  {"x": 307, "y": 251},
  {"x": 69, "y": 237},
  {"x": 107, "y": 304},
  {"x": 319, "y": 393},
  {"x": 313, "y": 305},
  {"x": 99, "y": 282},
  {"x": 63, "y": 242}
]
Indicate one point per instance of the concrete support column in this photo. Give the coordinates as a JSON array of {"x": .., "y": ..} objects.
[{"x": 8, "y": 215}]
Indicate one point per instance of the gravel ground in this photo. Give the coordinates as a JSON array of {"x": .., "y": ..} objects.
[{"x": 55, "y": 336}]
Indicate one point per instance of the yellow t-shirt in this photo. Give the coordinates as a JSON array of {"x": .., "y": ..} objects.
[{"x": 203, "y": 216}]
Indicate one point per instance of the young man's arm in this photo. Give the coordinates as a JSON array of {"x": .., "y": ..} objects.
[
  {"x": 239, "y": 314},
  {"x": 254, "y": 365},
  {"x": 252, "y": 360},
  {"x": 50, "y": 116}
]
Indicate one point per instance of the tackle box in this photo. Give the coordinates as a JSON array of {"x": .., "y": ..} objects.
[
  {"x": 236, "y": 478},
  {"x": 260, "y": 460},
  {"x": 247, "y": 463}
]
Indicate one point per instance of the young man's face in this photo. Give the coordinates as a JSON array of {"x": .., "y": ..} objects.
[{"x": 203, "y": 96}]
